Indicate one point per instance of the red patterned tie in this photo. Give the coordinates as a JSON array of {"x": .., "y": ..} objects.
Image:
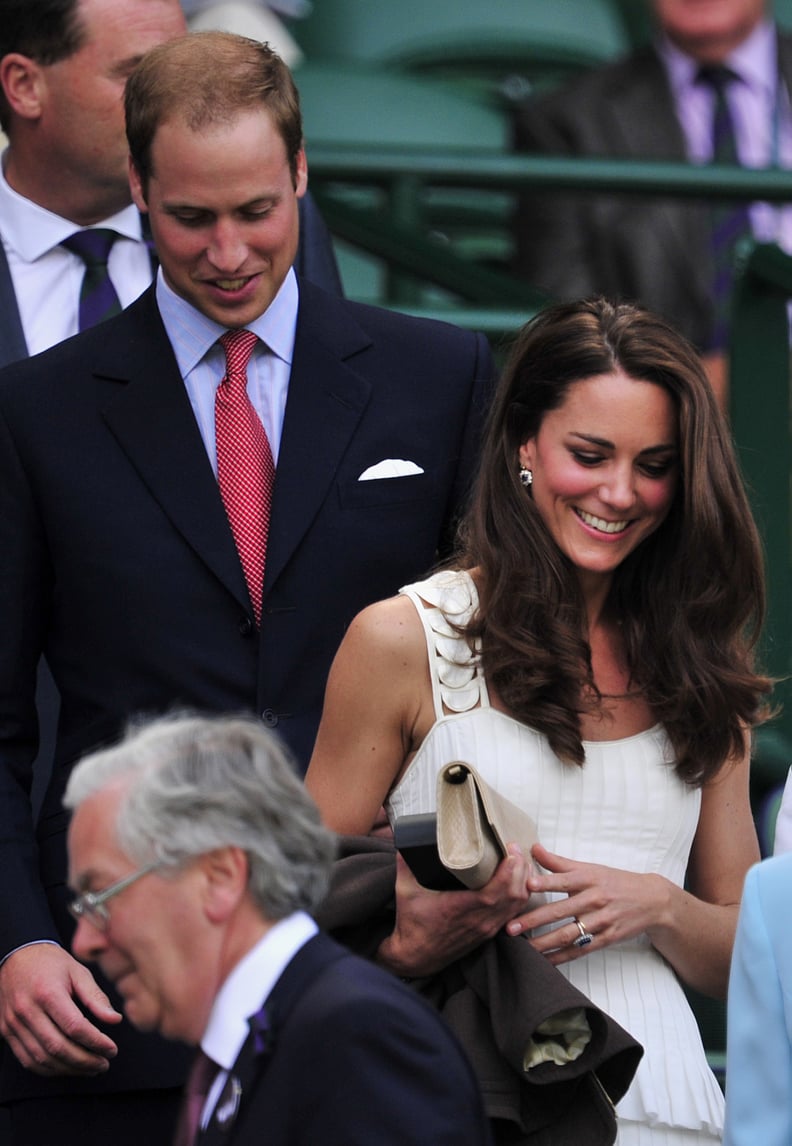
[
  {"x": 245, "y": 469},
  {"x": 199, "y": 1082}
]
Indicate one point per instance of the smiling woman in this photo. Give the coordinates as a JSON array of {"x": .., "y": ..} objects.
[
  {"x": 604, "y": 472},
  {"x": 589, "y": 652}
]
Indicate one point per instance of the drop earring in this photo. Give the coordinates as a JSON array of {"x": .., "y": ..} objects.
[{"x": 526, "y": 476}]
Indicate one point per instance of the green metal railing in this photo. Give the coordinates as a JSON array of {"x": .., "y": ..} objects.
[{"x": 761, "y": 417}]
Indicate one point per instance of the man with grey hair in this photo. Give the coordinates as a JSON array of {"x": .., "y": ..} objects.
[{"x": 197, "y": 857}]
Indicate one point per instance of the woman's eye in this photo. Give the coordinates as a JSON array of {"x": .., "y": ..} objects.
[
  {"x": 657, "y": 469},
  {"x": 586, "y": 459}
]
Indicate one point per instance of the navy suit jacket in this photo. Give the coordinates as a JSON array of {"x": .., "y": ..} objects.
[
  {"x": 349, "y": 1057},
  {"x": 118, "y": 564},
  {"x": 654, "y": 251}
]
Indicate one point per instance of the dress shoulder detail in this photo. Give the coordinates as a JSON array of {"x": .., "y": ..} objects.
[{"x": 455, "y": 668}]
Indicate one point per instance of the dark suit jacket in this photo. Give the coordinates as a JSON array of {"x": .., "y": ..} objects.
[
  {"x": 654, "y": 251},
  {"x": 349, "y": 1057},
  {"x": 117, "y": 561}
]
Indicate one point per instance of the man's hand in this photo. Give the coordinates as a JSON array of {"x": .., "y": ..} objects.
[
  {"x": 433, "y": 928},
  {"x": 40, "y": 1019}
]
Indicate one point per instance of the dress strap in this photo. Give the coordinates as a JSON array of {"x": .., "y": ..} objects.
[{"x": 445, "y": 602}]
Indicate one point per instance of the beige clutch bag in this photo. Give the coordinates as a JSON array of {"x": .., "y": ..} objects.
[{"x": 475, "y": 823}]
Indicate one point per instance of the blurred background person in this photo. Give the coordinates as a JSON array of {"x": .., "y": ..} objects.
[
  {"x": 713, "y": 86},
  {"x": 255, "y": 18}
]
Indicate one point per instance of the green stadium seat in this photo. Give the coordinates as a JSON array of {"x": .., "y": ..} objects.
[
  {"x": 366, "y": 108},
  {"x": 506, "y": 46}
]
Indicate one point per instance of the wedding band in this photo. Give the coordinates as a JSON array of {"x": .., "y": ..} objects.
[{"x": 584, "y": 938}]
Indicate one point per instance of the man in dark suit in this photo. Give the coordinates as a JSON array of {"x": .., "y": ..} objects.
[
  {"x": 117, "y": 556},
  {"x": 652, "y": 105},
  {"x": 197, "y": 858}
]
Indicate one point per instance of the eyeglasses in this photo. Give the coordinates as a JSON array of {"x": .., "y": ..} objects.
[{"x": 91, "y": 904}]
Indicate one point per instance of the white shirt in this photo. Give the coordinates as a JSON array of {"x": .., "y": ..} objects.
[
  {"x": 47, "y": 278},
  {"x": 245, "y": 990},
  {"x": 202, "y": 362}
]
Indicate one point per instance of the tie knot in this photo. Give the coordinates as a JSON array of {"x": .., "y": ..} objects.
[
  {"x": 238, "y": 347},
  {"x": 717, "y": 76},
  {"x": 92, "y": 245}
]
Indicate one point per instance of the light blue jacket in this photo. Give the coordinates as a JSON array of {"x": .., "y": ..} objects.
[{"x": 759, "y": 1046}]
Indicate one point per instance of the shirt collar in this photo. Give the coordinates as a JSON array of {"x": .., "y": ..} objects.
[
  {"x": 193, "y": 334},
  {"x": 755, "y": 60},
  {"x": 32, "y": 230},
  {"x": 249, "y": 985}
]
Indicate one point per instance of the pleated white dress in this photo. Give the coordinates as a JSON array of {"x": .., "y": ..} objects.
[{"x": 626, "y": 808}]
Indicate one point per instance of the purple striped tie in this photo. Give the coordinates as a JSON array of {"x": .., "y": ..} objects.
[
  {"x": 731, "y": 222},
  {"x": 98, "y": 299}
]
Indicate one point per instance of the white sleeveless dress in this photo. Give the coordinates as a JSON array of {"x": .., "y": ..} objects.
[{"x": 626, "y": 808}]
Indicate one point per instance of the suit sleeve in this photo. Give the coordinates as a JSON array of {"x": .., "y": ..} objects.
[
  {"x": 551, "y": 228},
  {"x": 392, "y": 1075},
  {"x": 759, "y": 1055},
  {"x": 25, "y": 587}
]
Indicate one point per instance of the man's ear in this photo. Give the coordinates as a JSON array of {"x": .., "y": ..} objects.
[
  {"x": 226, "y": 872},
  {"x": 301, "y": 174},
  {"x": 24, "y": 85},
  {"x": 136, "y": 187}
]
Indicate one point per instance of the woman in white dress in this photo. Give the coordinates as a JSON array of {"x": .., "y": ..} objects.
[{"x": 590, "y": 653}]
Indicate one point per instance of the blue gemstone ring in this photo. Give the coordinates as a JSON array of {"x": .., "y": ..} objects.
[{"x": 584, "y": 938}]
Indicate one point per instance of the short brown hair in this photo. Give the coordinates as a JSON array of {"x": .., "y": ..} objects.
[{"x": 208, "y": 78}]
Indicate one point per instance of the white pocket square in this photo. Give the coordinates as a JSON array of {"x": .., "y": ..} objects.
[{"x": 390, "y": 468}]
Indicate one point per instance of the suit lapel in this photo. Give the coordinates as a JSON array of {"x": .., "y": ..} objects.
[
  {"x": 152, "y": 420},
  {"x": 262, "y": 1044},
  {"x": 13, "y": 346},
  {"x": 646, "y": 117},
  {"x": 325, "y": 403}
]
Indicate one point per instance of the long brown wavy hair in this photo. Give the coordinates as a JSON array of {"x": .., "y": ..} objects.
[{"x": 689, "y": 598}]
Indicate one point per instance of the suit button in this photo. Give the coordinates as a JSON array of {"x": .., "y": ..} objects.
[
  {"x": 246, "y": 627},
  {"x": 270, "y": 718}
]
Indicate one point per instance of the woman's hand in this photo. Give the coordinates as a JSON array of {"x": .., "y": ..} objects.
[
  {"x": 611, "y": 906},
  {"x": 433, "y": 928}
]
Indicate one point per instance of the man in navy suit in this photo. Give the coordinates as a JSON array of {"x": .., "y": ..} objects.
[
  {"x": 116, "y": 556},
  {"x": 198, "y": 857}
]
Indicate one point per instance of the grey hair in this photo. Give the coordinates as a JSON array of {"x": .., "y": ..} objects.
[{"x": 192, "y": 784}]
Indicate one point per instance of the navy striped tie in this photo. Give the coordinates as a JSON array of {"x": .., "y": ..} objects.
[
  {"x": 98, "y": 298},
  {"x": 731, "y": 222}
]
